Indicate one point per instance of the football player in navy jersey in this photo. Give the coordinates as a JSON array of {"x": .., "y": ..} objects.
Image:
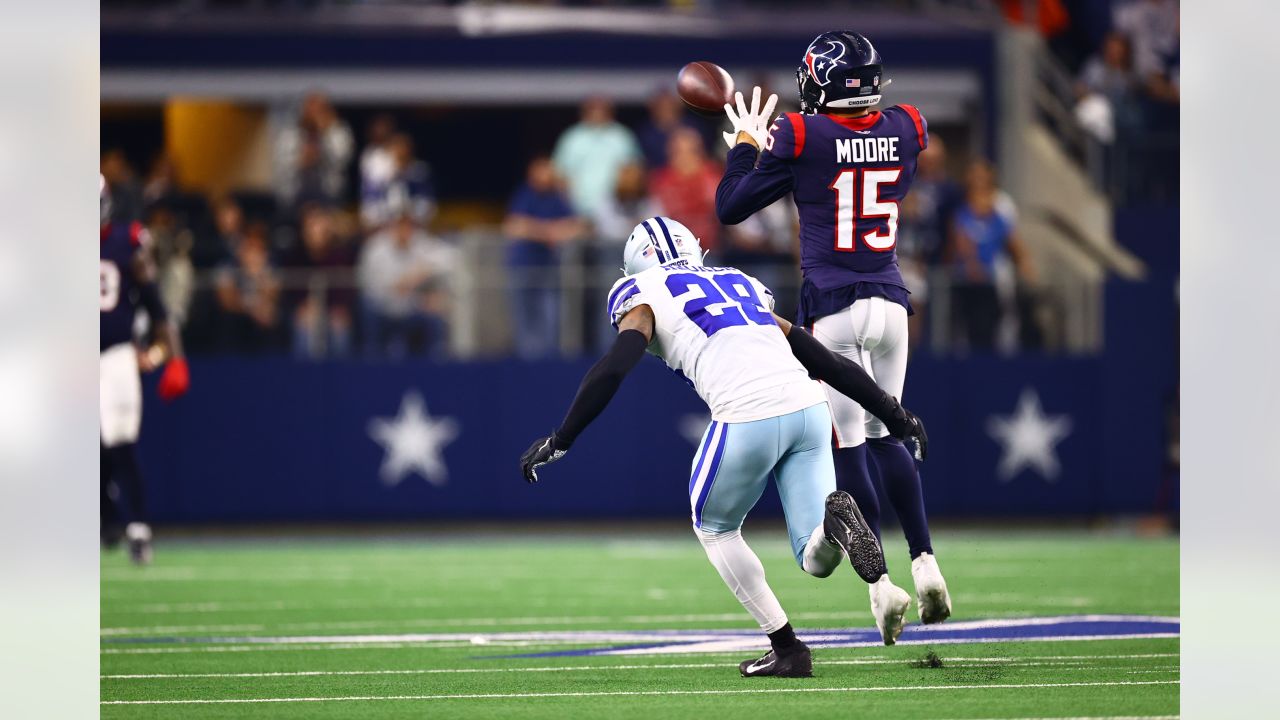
[
  {"x": 126, "y": 281},
  {"x": 848, "y": 167}
]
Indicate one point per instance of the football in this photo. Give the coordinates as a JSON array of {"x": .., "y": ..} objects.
[{"x": 705, "y": 87}]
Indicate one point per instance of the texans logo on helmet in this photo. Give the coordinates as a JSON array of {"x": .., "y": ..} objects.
[{"x": 822, "y": 63}]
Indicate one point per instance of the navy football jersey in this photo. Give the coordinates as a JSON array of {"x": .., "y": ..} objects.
[
  {"x": 118, "y": 296},
  {"x": 848, "y": 177}
]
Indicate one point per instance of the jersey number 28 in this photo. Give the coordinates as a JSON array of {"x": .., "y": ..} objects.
[
  {"x": 722, "y": 301},
  {"x": 856, "y": 188}
]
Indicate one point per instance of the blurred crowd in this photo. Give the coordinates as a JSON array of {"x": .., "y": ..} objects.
[
  {"x": 322, "y": 270},
  {"x": 314, "y": 267},
  {"x": 1124, "y": 56}
]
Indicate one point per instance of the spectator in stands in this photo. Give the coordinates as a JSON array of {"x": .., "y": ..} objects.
[
  {"x": 617, "y": 217},
  {"x": 312, "y": 155},
  {"x": 403, "y": 275},
  {"x": 1153, "y": 29},
  {"x": 922, "y": 234},
  {"x": 613, "y": 223},
  {"x": 248, "y": 293},
  {"x": 376, "y": 163},
  {"x": 162, "y": 180},
  {"x": 126, "y": 193},
  {"x": 408, "y": 189},
  {"x": 1107, "y": 89},
  {"x": 666, "y": 114},
  {"x": 590, "y": 154},
  {"x": 763, "y": 246},
  {"x": 539, "y": 221},
  {"x": 171, "y": 245},
  {"x": 985, "y": 254},
  {"x": 228, "y": 229},
  {"x": 685, "y": 190},
  {"x": 321, "y": 302}
]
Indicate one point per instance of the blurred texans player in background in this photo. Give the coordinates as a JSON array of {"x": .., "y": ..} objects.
[
  {"x": 127, "y": 280},
  {"x": 848, "y": 167},
  {"x": 714, "y": 327}
]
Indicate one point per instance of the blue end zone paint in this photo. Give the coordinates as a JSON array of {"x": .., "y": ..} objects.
[{"x": 1019, "y": 630}]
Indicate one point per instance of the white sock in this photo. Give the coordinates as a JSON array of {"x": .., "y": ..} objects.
[
  {"x": 138, "y": 531},
  {"x": 821, "y": 556},
  {"x": 743, "y": 573}
]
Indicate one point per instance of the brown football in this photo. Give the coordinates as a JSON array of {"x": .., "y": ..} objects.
[{"x": 705, "y": 87}]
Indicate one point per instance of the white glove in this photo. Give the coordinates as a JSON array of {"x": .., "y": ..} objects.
[{"x": 754, "y": 122}]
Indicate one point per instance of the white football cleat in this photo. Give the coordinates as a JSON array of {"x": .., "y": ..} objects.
[
  {"x": 889, "y": 606},
  {"x": 932, "y": 599},
  {"x": 139, "y": 537}
]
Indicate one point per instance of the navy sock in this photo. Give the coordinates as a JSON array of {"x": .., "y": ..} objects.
[
  {"x": 783, "y": 639},
  {"x": 853, "y": 477},
  {"x": 124, "y": 463},
  {"x": 901, "y": 482}
]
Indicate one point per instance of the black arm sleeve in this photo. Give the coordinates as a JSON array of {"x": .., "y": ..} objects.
[
  {"x": 599, "y": 385},
  {"x": 149, "y": 295},
  {"x": 845, "y": 376}
]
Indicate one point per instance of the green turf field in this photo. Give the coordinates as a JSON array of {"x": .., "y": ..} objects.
[{"x": 426, "y": 627}]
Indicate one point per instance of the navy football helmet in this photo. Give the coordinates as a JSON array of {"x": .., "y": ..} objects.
[{"x": 841, "y": 69}]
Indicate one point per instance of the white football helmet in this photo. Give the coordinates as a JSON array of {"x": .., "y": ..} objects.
[{"x": 657, "y": 241}]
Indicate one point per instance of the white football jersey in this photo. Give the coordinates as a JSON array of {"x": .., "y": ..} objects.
[{"x": 714, "y": 326}]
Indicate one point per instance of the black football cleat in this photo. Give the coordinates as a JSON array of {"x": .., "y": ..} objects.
[
  {"x": 846, "y": 527},
  {"x": 797, "y": 662}
]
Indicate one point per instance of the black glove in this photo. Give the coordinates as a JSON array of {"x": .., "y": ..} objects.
[
  {"x": 542, "y": 452},
  {"x": 903, "y": 425}
]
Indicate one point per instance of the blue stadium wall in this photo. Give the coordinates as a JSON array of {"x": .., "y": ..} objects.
[{"x": 274, "y": 440}]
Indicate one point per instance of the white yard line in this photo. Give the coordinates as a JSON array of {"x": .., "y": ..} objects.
[
  {"x": 1085, "y": 662},
  {"x": 592, "y": 619},
  {"x": 231, "y": 606},
  {"x": 635, "y": 693},
  {"x": 735, "y": 617}
]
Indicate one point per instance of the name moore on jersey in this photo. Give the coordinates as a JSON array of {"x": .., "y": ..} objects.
[
  {"x": 850, "y": 177},
  {"x": 714, "y": 326}
]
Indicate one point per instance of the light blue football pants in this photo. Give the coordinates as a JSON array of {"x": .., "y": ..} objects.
[{"x": 736, "y": 460}]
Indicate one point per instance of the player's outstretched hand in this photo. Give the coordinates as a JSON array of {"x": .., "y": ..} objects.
[
  {"x": 902, "y": 424},
  {"x": 542, "y": 452},
  {"x": 916, "y": 432},
  {"x": 753, "y": 121}
]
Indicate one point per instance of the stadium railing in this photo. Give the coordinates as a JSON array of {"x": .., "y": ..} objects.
[{"x": 480, "y": 313}]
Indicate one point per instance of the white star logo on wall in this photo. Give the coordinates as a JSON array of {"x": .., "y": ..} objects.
[
  {"x": 413, "y": 441},
  {"x": 1028, "y": 439}
]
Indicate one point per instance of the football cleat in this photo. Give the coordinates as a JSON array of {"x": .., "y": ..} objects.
[
  {"x": 139, "y": 536},
  {"x": 846, "y": 527},
  {"x": 933, "y": 602},
  {"x": 796, "y": 662},
  {"x": 889, "y": 606}
]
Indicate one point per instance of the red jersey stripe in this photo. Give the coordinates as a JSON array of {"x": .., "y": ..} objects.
[
  {"x": 797, "y": 126},
  {"x": 921, "y": 138}
]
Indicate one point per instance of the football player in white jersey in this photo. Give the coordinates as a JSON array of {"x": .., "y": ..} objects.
[{"x": 715, "y": 326}]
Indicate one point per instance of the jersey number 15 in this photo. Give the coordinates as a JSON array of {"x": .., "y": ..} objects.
[{"x": 854, "y": 188}]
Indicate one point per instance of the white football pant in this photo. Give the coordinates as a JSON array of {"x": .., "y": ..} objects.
[
  {"x": 119, "y": 395},
  {"x": 873, "y": 333}
]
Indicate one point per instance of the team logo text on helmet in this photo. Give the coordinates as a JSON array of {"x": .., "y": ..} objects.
[{"x": 822, "y": 63}]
